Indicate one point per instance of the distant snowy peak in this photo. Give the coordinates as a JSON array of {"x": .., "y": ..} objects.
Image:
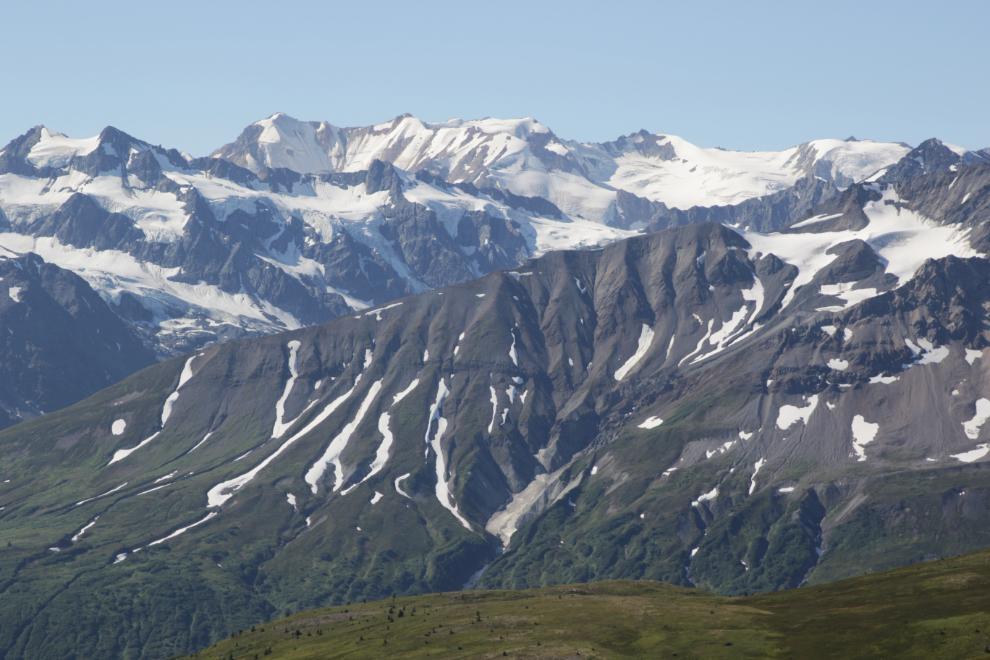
[
  {"x": 930, "y": 157},
  {"x": 42, "y": 152},
  {"x": 525, "y": 157}
]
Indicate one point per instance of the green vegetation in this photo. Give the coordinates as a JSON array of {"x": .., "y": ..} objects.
[{"x": 938, "y": 609}]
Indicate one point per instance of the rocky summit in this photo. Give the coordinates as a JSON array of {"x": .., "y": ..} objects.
[{"x": 786, "y": 390}]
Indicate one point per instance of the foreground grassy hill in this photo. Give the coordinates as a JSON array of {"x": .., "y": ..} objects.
[{"x": 934, "y": 610}]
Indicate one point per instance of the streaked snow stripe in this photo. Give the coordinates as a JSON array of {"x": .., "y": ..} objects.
[
  {"x": 398, "y": 488},
  {"x": 339, "y": 443},
  {"x": 442, "y": 489},
  {"x": 114, "y": 490},
  {"x": 216, "y": 496},
  {"x": 645, "y": 339},
  {"x": 83, "y": 530},
  {"x": 280, "y": 428},
  {"x": 381, "y": 456},
  {"x": 183, "y": 530}
]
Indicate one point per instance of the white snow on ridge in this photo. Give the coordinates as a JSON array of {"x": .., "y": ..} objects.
[
  {"x": 973, "y": 426},
  {"x": 112, "y": 273},
  {"x": 973, "y": 355},
  {"x": 814, "y": 220},
  {"x": 117, "y": 428},
  {"x": 838, "y": 365},
  {"x": 15, "y": 293},
  {"x": 56, "y": 150},
  {"x": 645, "y": 340},
  {"x": 378, "y": 312},
  {"x": 902, "y": 237}
]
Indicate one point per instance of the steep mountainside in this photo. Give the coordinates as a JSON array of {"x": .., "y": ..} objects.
[
  {"x": 59, "y": 341},
  {"x": 703, "y": 405}
]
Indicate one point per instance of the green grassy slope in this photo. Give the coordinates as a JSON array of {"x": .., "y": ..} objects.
[{"x": 934, "y": 610}]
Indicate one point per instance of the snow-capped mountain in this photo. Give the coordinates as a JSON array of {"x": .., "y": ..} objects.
[
  {"x": 708, "y": 405},
  {"x": 527, "y": 158},
  {"x": 203, "y": 250},
  {"x": 322, "y": 221}
]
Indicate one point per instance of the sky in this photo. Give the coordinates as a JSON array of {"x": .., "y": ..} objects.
[{"x": 740, "y": 75}]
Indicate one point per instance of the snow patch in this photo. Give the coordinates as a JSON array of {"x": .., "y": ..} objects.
[
  {"x": 377, "y": 496},
  {"x": 280, "y": 428},
  {"x": 838, "y": 365},
  {"x": 863, "y": 433},
  {"x": 972, "y": 355},
  {"x": 972, "y": 455},
  {"x": 117, "y": 428},
  {"x": 972, "y": 427},
  {"x": 651, "y": 423},
  {"x": 710, "y": 495},
  {"x": 789, "y": 415}
]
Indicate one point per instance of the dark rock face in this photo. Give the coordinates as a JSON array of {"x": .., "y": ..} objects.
[
  {"x": 768, "y": 213},
  {"x": 929, "y": 157},
  {"x": 60, "y": 341}
]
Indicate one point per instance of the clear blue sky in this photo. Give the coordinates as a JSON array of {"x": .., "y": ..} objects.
[{"x": 742, "y": 75}]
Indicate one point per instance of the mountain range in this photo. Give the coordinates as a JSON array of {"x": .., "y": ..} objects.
[
  {"x": 781, "y": 385},
  {"x": 296, "y": 223}
]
